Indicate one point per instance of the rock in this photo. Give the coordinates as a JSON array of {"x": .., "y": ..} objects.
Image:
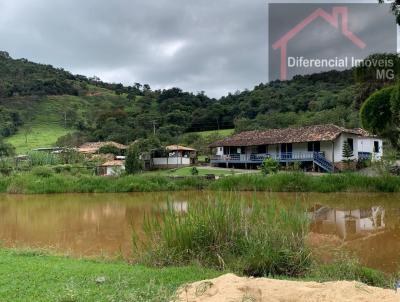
[{"x": 100, "y": 279}]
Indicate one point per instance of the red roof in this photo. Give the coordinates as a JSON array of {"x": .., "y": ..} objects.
[{"x": 327, "y": 132}]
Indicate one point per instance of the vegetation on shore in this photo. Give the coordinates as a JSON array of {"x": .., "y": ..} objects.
[
  {"x": 256, "y": 239},
  {"x": 65, "y": 179},
  {"x": 37, "y": 276},
  {"x": 28, "y": 275},
  {"x": 247, "y": 238}
]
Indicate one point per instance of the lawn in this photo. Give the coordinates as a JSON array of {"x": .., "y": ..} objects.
[
  {"x": 33, "y": 276},
  {"x": 187, "y": 171},
  {"x": 222, "y": 132},
  {"x": 42, "y": 135}
]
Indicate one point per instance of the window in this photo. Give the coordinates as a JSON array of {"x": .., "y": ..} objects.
[
  {"x": 262, "y": 149},
  {"x": 350, "y": 141},
  {"x": 314, "y": 146},
  {"x": 376, "y": 147}
]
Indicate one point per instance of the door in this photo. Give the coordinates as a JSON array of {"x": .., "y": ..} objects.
[{"x": 286, "y": 151}]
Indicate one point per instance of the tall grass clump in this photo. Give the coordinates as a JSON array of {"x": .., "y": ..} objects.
[
  {"x": 43, "y": 158},
  {"x": 256, "y": 239}
]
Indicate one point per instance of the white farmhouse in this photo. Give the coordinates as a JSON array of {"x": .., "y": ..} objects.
[{"x": 318, "y": 147}]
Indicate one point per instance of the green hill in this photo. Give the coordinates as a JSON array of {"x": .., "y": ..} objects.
[{"x": 40, "y": 103}]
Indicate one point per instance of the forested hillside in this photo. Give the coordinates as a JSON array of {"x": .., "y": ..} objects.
[{"x": 38, "y": 99}]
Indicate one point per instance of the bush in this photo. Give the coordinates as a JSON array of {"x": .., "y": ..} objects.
[
  {"x": 62, "y": 168},
  {"x": 42, "y": 171},
  {"x": 347, "y": 268},
  {"x": 110, "y": 149},
  {"x": 194, "y": 171},
  {"x": 6, "y": 149},
  {"x": 253, "y": 239},
  {"x": 133, "y": 163},
  {"x": 269, "y": 166},
  {"x": 43, "y": 158}
]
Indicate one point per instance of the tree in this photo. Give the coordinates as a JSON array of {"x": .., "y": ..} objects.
[
  {"x": 133, "y": 164},
  {"x": 380, "y": 114},
  {"x": 395, "y": 6},
  {"x": 347, "y": 153},
  {"x": 6, "y": 149},
  {"x": 26, "y": 130},
  {"x": 269, "y": 166}
]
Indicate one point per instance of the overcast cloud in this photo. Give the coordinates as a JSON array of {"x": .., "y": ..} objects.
[{"x": 218, "y": 46}]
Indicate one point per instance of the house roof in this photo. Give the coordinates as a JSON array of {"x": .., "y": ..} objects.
[
  {"x": 327, "y": 132},
  {"x": 113, "y": 163},
  {"x": 178, "y": 148},
  {"x": 93, "y": 147}
]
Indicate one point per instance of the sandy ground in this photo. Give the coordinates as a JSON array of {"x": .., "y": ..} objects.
[{"x": 231, "y": 288}]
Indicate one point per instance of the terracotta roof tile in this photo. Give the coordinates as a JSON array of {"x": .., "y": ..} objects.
[
  {"x": 327, "y": 132},
  {"x": 93, "y": 147}
]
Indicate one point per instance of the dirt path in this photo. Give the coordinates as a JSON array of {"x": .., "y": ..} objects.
[{"x": 231, "y": 288}]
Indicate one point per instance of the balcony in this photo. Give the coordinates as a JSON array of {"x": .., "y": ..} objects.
[{"x": 259, "y": 157}]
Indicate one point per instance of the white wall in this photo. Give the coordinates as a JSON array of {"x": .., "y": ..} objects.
[
  {"x": 173, "y": 161},
  {"x": 333, "y": 152},
  {"x": 114, "y": 171},
  {"x": 339, "y": 146},
  {"x": 366, "y": 144},
  {"x": 361, "y": 144}
]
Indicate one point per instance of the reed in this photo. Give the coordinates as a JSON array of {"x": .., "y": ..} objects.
[{"x": 256, "y": 239}]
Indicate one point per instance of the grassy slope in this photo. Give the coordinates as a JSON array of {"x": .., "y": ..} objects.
[
  {"x": 47, "y": 120},
  {"x": 42, "y": 136},
  {"x": 31, "y": 276},
  {"x": 223, "y": 132}
]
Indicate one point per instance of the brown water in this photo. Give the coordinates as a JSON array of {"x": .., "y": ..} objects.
[{"x": 101, "y": 224}]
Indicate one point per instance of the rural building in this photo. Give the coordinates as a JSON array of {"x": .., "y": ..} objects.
[
  {"x": 111, "y": 168},
  {"x": 94, "y": 147},
  {"x": 317, "y": 147},
  {"x": 173, "y": 156}
]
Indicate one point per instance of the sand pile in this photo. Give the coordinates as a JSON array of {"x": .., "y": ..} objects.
[{"x": 231, "y": 288}]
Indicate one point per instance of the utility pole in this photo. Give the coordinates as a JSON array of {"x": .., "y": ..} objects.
[{"x": 154, "y": 127}]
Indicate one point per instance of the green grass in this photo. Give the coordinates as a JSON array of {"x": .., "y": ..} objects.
[
  {"x": 186, "y": 171},
  {"x": 300, "y": 182},
  {"x": 47, "y": 114},
  {"x": 256, "y": 239},
  {"x": 33, "y": 276},
  {"x": 222, "y": 132},
  {"x": 31, "y": 183},
  {"x": 42, "y": 136}
]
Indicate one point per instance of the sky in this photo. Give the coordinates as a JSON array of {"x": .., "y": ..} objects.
[{"x": 198, "y": 45}]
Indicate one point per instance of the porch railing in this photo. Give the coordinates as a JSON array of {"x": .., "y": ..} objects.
[{"x": 259, "y": 157}]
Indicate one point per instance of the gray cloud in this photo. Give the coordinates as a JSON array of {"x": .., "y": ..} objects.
[{"x": 215, "y": 46}]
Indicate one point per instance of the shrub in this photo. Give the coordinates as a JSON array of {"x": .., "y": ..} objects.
[
  {"x": 194, "y": 171},
  {"x": 133, "y": 163},
  {"x": 62, "y": 168},
  {"x": 110, "y": 149},
  {"x": 43, "y": 158},
  {"x": 42, "y": 171},
  {"x": 248, "y": 238},
  {"x": 269, "y": 166},
  {"x": 6, "y": 149},
  {"x": 348, "y": 268}
]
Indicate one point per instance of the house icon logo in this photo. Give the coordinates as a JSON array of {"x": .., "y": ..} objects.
[{"x": 338, "y": 19}]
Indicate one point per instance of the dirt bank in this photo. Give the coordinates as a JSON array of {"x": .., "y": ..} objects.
[{"x": 231, "y": 288}]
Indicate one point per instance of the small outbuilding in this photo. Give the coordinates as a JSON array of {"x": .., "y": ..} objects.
[
  {"x": 174, "y": 156},
  {"x": 111, "y": 168}
]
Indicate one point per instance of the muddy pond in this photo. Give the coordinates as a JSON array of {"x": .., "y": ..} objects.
[{"x": 366, "y": 224}]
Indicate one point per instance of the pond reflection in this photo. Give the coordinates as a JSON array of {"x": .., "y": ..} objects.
[
  {"x": 101, "y": 224},
  {"x": 347, "y": 224}
]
